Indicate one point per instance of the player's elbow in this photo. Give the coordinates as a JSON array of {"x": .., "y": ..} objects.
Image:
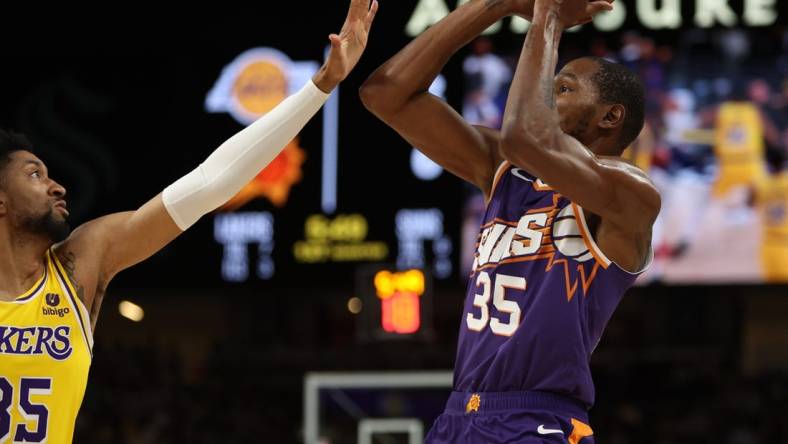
[
  {"x": 517, "y": 144},
  {"x": 379, "y": 94},
  {"x": 511, "y": 139},
  {"x": 525, "y": 140},
  {"x": 370, "y": 95}
]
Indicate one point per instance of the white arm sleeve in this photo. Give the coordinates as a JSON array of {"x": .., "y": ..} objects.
[{"x": 240, "y": 158}]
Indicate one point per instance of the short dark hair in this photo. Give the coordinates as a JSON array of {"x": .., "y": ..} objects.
[
  {"x": 10, "y": 142},
  {"x": 616, "y": 84}
]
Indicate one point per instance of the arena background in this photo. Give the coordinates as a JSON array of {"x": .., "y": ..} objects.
[{"x": 240, "y": 308}]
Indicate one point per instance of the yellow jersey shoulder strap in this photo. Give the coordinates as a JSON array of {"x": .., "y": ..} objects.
[{"x": 60, "y": 276}]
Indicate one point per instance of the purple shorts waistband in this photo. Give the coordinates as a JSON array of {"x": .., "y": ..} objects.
[{"x": 499, "y": 402}]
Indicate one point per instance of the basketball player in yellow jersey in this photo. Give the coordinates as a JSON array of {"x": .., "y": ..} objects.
[
  {"x": 773, "y": 203},
  {"x": 52, "y": 282},
  {"x": 739, "y": 146}
]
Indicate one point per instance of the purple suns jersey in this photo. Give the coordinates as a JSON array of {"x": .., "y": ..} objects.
[{"x": 540, "y": 294}]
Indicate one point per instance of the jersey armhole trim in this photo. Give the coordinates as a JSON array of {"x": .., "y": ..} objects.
[
  {"x": 588, "y": 239},
  {"x": 597, "y": 252},
  {"x": 34, "y": 291},
  {"x": 79, "y": 307},
  {"x": 498, "y": 174}
]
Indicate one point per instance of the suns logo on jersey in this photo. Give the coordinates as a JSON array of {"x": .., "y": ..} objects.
[
  {"x": 541, "y": 234},
  {"x": 508, "y": 242},
  {"x": 534, "y": 236},
  {"x": 473, "y": 403}
]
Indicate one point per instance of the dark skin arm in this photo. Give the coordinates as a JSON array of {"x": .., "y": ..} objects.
[
  {"x": 97, "y": 250},
  {"x": 622, "y": 201},
  {"x": 397, "y": 93}
]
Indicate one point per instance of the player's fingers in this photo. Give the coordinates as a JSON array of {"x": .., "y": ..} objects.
[
  {"x": 596, "y": 7},
  {"x": 371, "y": 14},
  {"x": 358, "y": 9}
]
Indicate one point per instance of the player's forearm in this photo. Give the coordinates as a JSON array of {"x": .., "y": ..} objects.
[
  {"x": 531, "y": 119},
  {"x": 240, "y": 158},
  {"x": 414, "y": 68}
]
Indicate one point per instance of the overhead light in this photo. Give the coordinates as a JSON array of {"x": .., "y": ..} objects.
[
  {"x": 354, "y": 305},
  {"x": 130, "y": 310}
]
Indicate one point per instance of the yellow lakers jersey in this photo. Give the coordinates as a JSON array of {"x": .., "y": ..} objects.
[
  {"x": 641, "y": 151},
  {"x": 739, "y": 146},
  {"x": 773, "y": 201},
  {"x": 45, "y": 355}
]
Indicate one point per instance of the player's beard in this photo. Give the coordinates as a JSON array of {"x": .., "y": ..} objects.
[
  {"x": 580, "y": 128},
  {"x": 49, "y": 225}
]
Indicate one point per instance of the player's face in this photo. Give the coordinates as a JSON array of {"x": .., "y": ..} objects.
[
  {"x": 31, "y": 200},
  {"x": 576, "y": 99}
]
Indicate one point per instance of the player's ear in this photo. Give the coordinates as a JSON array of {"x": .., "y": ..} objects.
[{"x": 614, "y": 117}]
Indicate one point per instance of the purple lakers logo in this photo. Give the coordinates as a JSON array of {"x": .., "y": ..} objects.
[
  {"x": 53, "y": 299},
  {"x": 473, "y": 403},
  {"x": 53, "y": 341}
]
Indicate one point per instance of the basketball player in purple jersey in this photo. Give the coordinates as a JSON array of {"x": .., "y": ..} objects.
[{"x": 567, "y": 227}]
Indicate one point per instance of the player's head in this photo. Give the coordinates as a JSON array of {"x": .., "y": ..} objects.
[
  {"x": 30, "y": 202},
  {"x": 601, "y": 104}
]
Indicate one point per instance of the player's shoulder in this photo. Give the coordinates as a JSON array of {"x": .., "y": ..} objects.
[
  {"x": 77, "y": 241},
  {"x": 86, "y": 235},
  {"x": 626, "y": 167},
  {"x": 82, "y": 252},
  {"x": 634, "y": 179}
]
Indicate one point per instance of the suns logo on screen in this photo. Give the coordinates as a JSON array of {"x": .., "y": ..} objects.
[
  {"x": 248, "y": 88},
  {"x": 275, "y": 181}
]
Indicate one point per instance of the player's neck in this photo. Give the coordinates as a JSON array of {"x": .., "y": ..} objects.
[
  {"x": 21, "y": 262},
  {"x": 601, "y": 146}
]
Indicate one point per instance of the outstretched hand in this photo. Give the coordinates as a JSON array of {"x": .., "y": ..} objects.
[
  {"x": 347, "y": 46},
  {"x": 570, "y": 12}
]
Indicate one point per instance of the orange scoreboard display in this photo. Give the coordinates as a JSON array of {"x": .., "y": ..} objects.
[{"x": 397, "y": 304}]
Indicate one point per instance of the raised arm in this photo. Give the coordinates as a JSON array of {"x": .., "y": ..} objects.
[
  {"x": 534, "y": 140},
  {"x": 99, "y": 249},
  {"x": 397, "y": 93}
]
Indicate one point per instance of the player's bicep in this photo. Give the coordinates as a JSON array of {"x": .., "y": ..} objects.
[
  {"x": 438, "y": 131},
  {"x": 135, "y": 236},
  {"x": 120, "y": 240}
]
